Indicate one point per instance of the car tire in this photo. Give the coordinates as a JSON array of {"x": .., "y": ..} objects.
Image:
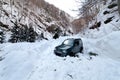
[
  {"x": 72, "y": 54},
  {"x": 65, "y": 55},
  {"x": 81, "y": 50}
]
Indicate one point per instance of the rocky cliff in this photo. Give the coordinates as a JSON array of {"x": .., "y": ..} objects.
[{"x": 43, "y": 17}]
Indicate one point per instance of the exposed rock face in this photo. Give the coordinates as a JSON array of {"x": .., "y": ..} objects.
[
  {"x": 37, "y": 13},
  {"x": 49, "y": 8}
]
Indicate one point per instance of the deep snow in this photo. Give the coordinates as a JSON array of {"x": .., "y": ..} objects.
[{"x": 36, "y": 61}]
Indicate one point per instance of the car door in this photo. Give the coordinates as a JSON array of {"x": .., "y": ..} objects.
[
  {"x": 80, "y": 43},
  {"x": 76, "y": 46}
]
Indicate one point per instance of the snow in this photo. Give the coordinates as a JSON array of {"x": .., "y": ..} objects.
[
  {"x": 104, "y": 29},
  {"x": 109, "y": 45},
  {"x": 70, "y": 6},
  {"x": 37, "y": 61}
]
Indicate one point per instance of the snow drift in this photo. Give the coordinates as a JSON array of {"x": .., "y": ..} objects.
[{"x": 36, "y": 61}]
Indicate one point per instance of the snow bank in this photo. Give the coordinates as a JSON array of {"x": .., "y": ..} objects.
[
  {"x": 109, "y": 45},
  {"x": 105, "y": 28},
  {"x": 36, "y": 61}
]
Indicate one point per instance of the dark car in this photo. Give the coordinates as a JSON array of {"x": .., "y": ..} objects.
[{"x": 69, "y": 47}]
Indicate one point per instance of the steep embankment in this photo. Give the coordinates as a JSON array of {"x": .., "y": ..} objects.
[
  {"x": 108, "y": 21},
  {"x": 109, "y": 45},
  {"x": 103, "y": 18}
]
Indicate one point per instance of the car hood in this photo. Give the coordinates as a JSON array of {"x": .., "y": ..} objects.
[{"x": 62, "y": 47}]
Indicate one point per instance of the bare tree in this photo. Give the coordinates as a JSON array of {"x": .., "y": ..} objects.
[
  {"x": 119, "y": 6},
  {"x": 1, "y": 3},
  {"x": 89, "y": 9},
  {"x": 11, "y": 7}
]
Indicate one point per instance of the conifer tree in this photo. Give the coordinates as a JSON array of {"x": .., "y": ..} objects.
[
  {"x": 22, "y": 33},
  {"x": 25, "y": 33},
  {"x": 32, "y": 35},
  {"x": 15, "y": 37},
  {"x": 2, "y": 37}
]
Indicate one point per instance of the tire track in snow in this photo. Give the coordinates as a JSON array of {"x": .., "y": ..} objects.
[{"x": 45, "y": 51}]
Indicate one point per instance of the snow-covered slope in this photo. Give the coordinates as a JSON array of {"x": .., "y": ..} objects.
[
  {"x": 36, "y": 61},
  {"x": 101, "y": 23},
  {"x": 40, "y": 16},
  {"x": 107, "y": 28},
  {"x": 109, "y": 45}
]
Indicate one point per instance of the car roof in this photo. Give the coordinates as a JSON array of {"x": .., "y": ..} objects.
[{"x": 73, "y": 39}]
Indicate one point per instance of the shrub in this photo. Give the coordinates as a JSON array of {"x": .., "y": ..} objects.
[
  {"x": 112, "y": 5},
  {"x": 108, "y": 20},
  {"x": 106, "y": 12},
  {"x": 93, "y": 54},
  {"x": 48, "y": 20},
  {"x": 97, "y": 25},
  {"x": 56, "y": 36},
  {"x": 52, "y": 28}
]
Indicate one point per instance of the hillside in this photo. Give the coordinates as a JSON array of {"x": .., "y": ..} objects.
[
  {"x": 102, "y": 19},
  {"x": 39, "y": 16}
]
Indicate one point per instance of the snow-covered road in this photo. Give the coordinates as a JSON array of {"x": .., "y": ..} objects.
[{"x": 36, "y": 61}]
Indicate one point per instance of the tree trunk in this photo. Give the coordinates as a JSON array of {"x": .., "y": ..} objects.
[{"x": 1, "y": 2}]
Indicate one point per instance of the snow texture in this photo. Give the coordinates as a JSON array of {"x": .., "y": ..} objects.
[{"x": 37, "y": 61}]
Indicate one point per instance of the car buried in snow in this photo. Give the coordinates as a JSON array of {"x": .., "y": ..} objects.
[{"x": 69, "y": 47}]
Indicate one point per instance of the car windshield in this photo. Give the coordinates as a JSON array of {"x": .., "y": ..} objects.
[{"x": 68, "y": 42}]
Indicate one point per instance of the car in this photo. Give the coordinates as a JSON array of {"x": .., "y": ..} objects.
[{"x": 70, "y": 47}]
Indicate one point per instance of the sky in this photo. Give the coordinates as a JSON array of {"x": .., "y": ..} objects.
[{"x": 66, "y": 5}]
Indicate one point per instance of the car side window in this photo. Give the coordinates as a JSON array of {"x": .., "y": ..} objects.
[
  {"x": 80, "y": 42},
  {"x": 76, "y": 43}
]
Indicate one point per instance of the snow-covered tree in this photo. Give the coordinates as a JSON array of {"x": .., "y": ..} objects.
[
  {"x": 15, "y": 37},
  {"x": 32, "y": 35},
  {"x": 24, "y": 33}
]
